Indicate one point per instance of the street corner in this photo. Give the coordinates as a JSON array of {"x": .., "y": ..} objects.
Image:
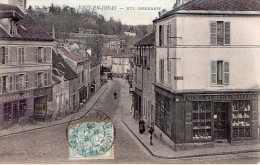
[{"x": 91, "y": 140}]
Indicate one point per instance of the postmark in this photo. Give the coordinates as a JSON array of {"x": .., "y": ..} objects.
[{"x": 91, "y": 140}]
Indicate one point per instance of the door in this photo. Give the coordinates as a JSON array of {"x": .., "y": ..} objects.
[
  {"x": 221, "y": 122},
  {"x": 15, "y": 112}
]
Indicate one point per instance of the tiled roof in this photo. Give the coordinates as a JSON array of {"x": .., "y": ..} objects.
[
  {"x": 27, "y": 27},
  {"x": 78, "y": 58},
  {"x": 59, "y": 63},
  {"x": 216, "y": 5},
  {"x": 148, "y": 40}
]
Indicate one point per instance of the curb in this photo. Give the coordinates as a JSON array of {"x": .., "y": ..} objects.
[
  {"x": 182, "y": 157},
  {"x": 51, "y": 125}
]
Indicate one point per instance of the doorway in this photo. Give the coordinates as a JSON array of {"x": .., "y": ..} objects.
[{"x": 221, "y": 121}]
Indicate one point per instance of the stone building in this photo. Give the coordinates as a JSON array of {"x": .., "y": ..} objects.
[
  {"x": 207, "y": 88},
  {"x": 25, "y": 69}
]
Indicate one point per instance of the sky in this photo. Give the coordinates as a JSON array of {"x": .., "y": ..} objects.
[{"x": 135, "y": 16}]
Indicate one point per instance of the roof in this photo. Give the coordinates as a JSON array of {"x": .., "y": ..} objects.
[
  {"x": 216, "y": 5},
  {"x": 55, "y": 79},
  {"x": 148, "y": 40},
  {"x": 59, "y": 63},
  {"x": 27, "y": 27},
  {"x": 93, "y": 62},
  {"x": 76, "y": 57}
]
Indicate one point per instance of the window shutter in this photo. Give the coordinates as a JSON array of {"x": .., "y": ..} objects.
[
  {"x": 162, "y": 70},
  {"x": 26, "y": 81},
  {"x": 166, "y": 35},
  {"x": 227, "y": 32},
  {"x": 162, "y": 36},
  {"x": 213, "y": 33},
  {"x": 1, "y": 84},
  {"x": 36, "y": 54},
  {"x": 213, "y": 72},
  {"x": 45, "y": 79},
  {"x": 6, "y": 55},
  {"x": 1, "y": 55},
  {"x": 225, "y": 72},
  {"x": 10, "y": 83},
  {"x": 7, "y": 83},
  {"x": 36, "y": 80}
]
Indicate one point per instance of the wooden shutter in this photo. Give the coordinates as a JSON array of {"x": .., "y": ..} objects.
[
  {"x": 162, "y": 69},
  {"x": 44, "y": 54},
  {"x": 36, "y": 54},
  {"x": 45, "y": 79},
  {"x": 26, "y": 81},
  {"x": 6, "y": 55},
  {"x": 225, "y": 72},
  {"x": 1, "y": 82},
  {"x": 227, "y": 32},
  {"x": 213, "y": 33},
  {"x": 213, "y": 72},
  {"x": 10, "y": 83},
  {"x": 36, "y": 80}
]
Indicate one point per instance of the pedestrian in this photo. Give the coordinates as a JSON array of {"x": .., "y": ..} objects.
[
  {"x": 115, "y": 95},
  {"x": 132, "y": 107},
  {"x": 151, "y": 130},
  {"x": 141, "y": 126}
]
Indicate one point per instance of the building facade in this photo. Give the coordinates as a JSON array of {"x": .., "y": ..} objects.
[
  {"x": 144, "y": 78},
  {"x": 206, "y": 89},
  {"x": 25, "y": 70}
]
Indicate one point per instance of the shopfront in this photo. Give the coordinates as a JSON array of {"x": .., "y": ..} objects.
[
  {"x": 207, "y": 118},
  {"x": 15, "y": 108},
  {"x": 41, "y": 99}
]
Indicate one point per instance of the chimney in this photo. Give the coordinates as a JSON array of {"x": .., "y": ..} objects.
[
  {"x": 21, "y": 4},
  {"x": 162, "y": 12}
]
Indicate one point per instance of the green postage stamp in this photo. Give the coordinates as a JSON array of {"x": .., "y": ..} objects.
[{"x": 91, "y": 140}]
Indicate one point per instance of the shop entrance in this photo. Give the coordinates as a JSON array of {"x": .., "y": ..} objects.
[{"x": 221, "y": 121}]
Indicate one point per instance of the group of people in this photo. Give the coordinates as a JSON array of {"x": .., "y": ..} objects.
[{"x": 150, "y": 130}]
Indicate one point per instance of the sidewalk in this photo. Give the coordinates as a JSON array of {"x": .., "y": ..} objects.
[
  {"x": 39, "y": 125},
  {"x": 161, "y": 150}
]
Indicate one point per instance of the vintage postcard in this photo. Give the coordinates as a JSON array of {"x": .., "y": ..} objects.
[{"x": 129, "y": 82}]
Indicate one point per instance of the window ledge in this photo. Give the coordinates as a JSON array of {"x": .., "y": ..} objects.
[{"x": 218, "y": 85}]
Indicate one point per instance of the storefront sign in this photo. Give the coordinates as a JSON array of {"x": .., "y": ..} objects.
[
  {"x": 220, "y": 97},
  {"x": 14, "y": 97},
  {"x": 178, "y": 77}
]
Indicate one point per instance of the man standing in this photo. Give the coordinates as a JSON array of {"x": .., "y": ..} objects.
[
  {"x": 151, "y": 130},
  {"x": 141, "y": 126}
]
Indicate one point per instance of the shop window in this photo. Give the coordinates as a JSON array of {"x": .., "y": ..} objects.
[
  {"x": 7, "y": 112},
  {"x": 241, "y": 119},
  {"x": 219, "y": 72},
  {"x": 162, "y": 117},
  {"x": 220, "y": 33},
  {"x": 201, "y": 120}
]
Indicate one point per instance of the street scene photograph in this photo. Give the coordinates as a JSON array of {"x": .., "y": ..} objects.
[{"x": 130, "y": 82}]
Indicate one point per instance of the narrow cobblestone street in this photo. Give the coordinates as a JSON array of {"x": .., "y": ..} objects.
[{"x": 49, "y": 145}]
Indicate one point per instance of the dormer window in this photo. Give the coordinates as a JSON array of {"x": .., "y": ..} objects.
[{"x": 13, "y": 27}]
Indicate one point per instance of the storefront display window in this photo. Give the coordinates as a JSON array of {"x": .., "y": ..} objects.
[
  {"x": 163, "y": 113},
  {"x": 241, "y": 119},
  {"x": 201, "y": 120},
  {"x": 7, "y": 111}
]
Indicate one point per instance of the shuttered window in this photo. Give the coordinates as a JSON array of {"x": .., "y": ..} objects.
[
  {"x": 161, "y": 35},
  {"x": 219, "y": 72},
  {"x": 21, "y": 55},
  {"x": 17, "y": 82},
  {"x": 220, "y": 33},
  {"x": 44, "y": 54},
  {"x": 4, "y": 55}
]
